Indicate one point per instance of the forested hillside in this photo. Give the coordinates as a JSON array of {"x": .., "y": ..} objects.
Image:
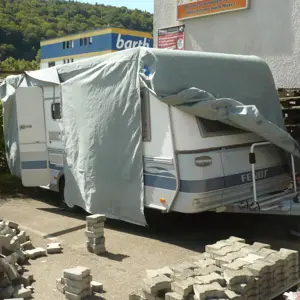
[{"x": 23, "y": 23}]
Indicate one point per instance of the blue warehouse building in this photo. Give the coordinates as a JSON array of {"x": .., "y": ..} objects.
[{"x": 78, "y": 46}]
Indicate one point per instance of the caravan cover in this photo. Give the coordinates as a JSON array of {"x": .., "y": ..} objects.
[{"x": 102, "y": 115}]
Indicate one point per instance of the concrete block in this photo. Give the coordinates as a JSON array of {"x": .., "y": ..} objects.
[
  {"x": 7, "y": 292},
  {"x": 201, "y": 256},
  {"x": 14, "y": 244},
  {"x": 36, "y": 253},
  {"x": 96, "y": 249},
  {"x": 264, "y": 252},
  {"x": 97, "y": 241},
  {"x": 97, "y": 218},
  {"x": 22, "y": 237},
  {"x": 255, "y": 248},
  {"x": 83, "y": 284},
  {"x": 162, "y": 271},
  {"x": 290, "y": 255},
  {"x": 204, "y": 263},
  {"x": 259, "y": 268},
  {"x": 54, "y": 248},
  {"x": 77, "y": 273},
  {"x": 75, "y": 290},
  {"x": 11, "y": 272},
  {"x": 184, "y": 266},
  {"x": 60, "y": 286},
  {"x": 235, "y": 265},
  {"x": 182, "y": 275},
  {"x": 26, "y": 279},
  {"x": 5, "y": 282},
  {"x": 215, "y": 247},
  {"x": 207, "y": 270},
  {"x": 241, "y": 288},
  {"x": 84, "y": 294},
  {"x": 229, "y": 258},
  {"x": 156, "y": 284},
  {"x": 21, "y": 256},
  {"x": 251, "y": 258},
  {"x": 91, "y": 234},
  {"x": 27, "y": 245},
  {"x": 208, "y": 291},
  {"x": 183, "y": 288},
  {"x": 233, "y": 277},
  {"x": 174, "y": 296},
  {"x": 213, "y": 277},
  {"x": 22, "y": 292},
  {"x": 96, "y": 229},
  {"x": 228, "y": 249},
  {"x": 97, "y": 287},
  {"x": 94, "y": 226},
  {"x": 12, "y": 224},
  {"x": 231, "y": 295},
  {"x": 234, "y": 239},
  {"x": 11, "y": 259}
]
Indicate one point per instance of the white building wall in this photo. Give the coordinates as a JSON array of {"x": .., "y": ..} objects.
[{"x": 269, "y": 29}]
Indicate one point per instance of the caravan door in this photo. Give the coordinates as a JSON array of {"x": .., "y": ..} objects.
[{"x": 32, "y": 136}]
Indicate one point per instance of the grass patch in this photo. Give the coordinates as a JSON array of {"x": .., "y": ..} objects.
[{"x": 10, "y": 185}]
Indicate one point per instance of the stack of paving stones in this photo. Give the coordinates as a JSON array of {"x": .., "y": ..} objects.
[
  {"x": 229, "y": 269},
  {"x": 95, "y": 234},
  {"x": 76, "y": 283},
  {"x": 14, "y": 244}
]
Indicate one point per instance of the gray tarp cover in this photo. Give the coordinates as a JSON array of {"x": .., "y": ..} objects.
[{"x": 102, "y": 115}]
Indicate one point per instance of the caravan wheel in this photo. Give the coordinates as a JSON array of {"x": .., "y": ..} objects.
[
  {"x": 158, "y": 221},
  {"x": 61, "y": 187},
  {"x": 64, "y": 205}
]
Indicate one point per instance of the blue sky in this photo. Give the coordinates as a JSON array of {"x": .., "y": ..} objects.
[{"x": 139, "y": 4}]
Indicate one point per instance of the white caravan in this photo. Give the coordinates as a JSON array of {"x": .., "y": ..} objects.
[{"x": 191, "y": 164}]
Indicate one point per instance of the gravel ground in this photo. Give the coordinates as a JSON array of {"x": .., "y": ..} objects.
[{"x": 131, "y": 249}]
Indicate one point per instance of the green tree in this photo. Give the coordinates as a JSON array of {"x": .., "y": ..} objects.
[{"x": 23, "y": 23}]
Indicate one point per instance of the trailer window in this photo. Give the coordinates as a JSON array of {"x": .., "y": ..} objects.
[
  {"x": 56, "y": 112},
  {"x": 210, "y": 127},
  {"x": 145, "y": 107}
]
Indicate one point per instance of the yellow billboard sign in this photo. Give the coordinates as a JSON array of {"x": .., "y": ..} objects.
[{"x": 187, "y": 9}]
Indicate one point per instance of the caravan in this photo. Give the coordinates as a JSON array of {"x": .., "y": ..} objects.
[{"x": 191, "y": 162}]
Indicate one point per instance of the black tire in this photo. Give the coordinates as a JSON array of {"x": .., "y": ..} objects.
[
  {"x": 61, "y": 187},
  {"x": 157, "y": 221},
  {"x": 63, "y": 204}
]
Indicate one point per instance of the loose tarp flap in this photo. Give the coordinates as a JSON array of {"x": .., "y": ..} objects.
[
  {"x": 202, "y": 104},
  {"x": 10, "y": 125},
  {"x": 246, "y": 79},
  {"x": 102, "y": 138},
  {"x": 48, "y": 75}
]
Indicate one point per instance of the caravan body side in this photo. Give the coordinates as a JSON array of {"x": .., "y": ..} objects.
[
  {"x": 40, "y": 132},
  {"x": 194, "y": 165},
  {"x": 190, "y": 165},
  {"x": 53, "y": 120}
]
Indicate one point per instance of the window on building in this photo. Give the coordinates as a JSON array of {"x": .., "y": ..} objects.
[
  {"x": 51, "y": 64},
  {"x": 68, "y": 44},
  {"x": 85, "y": 41},
  {"x": 56, "y": 111},
  {"x": 145, "y": 108},
  {"x": 72, "y": 60}
]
